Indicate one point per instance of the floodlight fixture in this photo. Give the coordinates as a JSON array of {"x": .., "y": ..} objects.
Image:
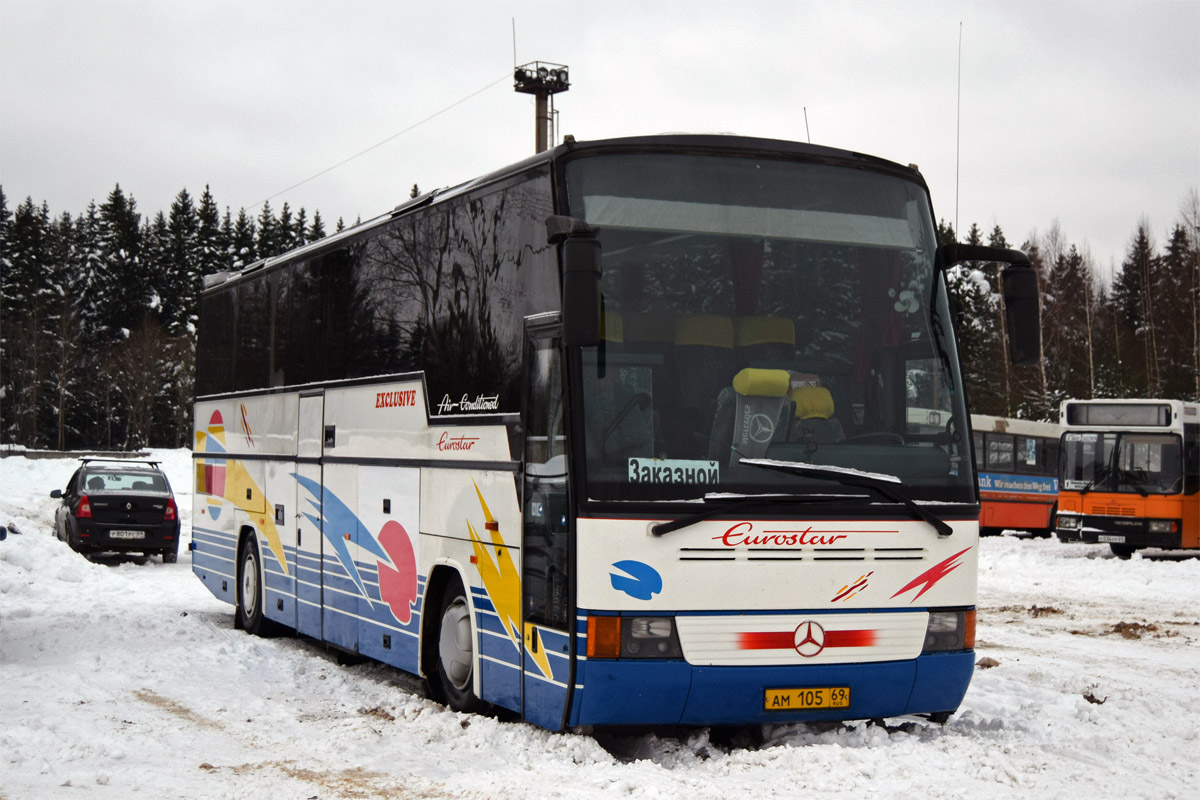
[
  {"x": 542, "y": 80},
  {"x": 539, "y": 77}
]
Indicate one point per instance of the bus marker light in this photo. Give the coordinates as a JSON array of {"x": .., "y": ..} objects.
[{"x": 604, "y": 637}]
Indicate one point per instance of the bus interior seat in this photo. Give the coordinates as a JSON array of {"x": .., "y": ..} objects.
[
  {"x": 814, "y": 415},
  {"x": 649, "y": 332},
  {"x": 766, "y": 342},
  {"x": 751, "y": 414},
  {"x": 621, "y": 409},
  {"x": 704, "y": 364}
]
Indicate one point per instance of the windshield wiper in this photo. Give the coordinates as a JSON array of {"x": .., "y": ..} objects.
[
  {"x": 1133, "y": 480},
  {"x": 747, "y": 501},
  {"x": 886, "y": 485}
]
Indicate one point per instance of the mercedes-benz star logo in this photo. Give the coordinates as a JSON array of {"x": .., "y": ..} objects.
[
  {"x": 761, "y": 428},
  {"x": 809, "y": 639}
]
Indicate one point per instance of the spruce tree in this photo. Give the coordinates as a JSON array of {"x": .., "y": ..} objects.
[
  {"x": 126, "y": 293},
  {"x": 180, "y": 278},
  {"x": 268, "y": 243},
  {"x": 1133, "y": 292},
  {"x": 27, "y": 291},
  {"x": 243, "y": 244},
  {"x": 317, "y": 229},
  {"x": 213, "y": 246}
]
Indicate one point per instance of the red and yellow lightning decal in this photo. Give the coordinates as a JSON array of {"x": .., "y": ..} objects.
[{"x": 932, "y": 575}]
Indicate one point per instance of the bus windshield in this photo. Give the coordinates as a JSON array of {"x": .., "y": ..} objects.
[
  {"x": 1130, "y": 463},
  {"x": 759, "y": 308}
]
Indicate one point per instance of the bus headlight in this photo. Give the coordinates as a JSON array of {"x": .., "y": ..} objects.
[
  {"x": 949, "y": 630},
  {"x": 1161, "y": 526},
  {"x": 633, "y": 637},
  {"x": 649, "y": 637},
  {"x": 1067, "y": 521}
]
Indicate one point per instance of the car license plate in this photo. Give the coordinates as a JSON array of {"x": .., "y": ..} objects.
[
  {"x": 806, "y": 699},
  {"x": 127, "y": 534},
  {"x": 1110, "y": 539}
]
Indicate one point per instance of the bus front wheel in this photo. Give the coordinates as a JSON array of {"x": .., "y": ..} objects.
[
  {"x": 454, "y": 670},
  {"x": 1122, "y": 551}
]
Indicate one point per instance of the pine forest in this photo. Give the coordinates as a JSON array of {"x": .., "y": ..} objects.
[{"x": 99, "y": 313}]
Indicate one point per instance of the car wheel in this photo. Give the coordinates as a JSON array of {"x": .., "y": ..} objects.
[
  {"x": 170, "y": 556},
  {"x": 249, "y": 608},
  {"x": 454, "y": 669}
]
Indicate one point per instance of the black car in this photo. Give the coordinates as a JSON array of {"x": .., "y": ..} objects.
[{"x": 120, "y": 505}]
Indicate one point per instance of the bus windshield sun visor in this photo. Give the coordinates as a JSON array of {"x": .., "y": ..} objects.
[{"x": 886, "y": 485}]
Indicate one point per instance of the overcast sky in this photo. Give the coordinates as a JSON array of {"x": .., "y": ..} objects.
[{"x": 1081, "y": 112}]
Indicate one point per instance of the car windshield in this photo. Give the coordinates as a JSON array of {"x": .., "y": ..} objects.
[
  {"x": 757, "y": 308},
  {"x": 124, "y": 481},
  {"x": 1130, "y": 463}
]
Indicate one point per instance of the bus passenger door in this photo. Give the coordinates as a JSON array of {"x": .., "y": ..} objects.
[
  {"x": 306, "y": 514},
  {"x": 545, "y": 584}
]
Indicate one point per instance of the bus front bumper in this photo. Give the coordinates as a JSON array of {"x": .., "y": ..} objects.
[
  {"x": 620, "y": 692},
  {"x": 1133, "y": 532}
]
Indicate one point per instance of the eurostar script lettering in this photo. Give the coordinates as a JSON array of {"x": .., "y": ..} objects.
[{"x": 743, "y": 534}]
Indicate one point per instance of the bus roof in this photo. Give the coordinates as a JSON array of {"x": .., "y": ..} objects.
[
  {"x": 985, "y": 423},
  {"x": 706, "y": 143}
]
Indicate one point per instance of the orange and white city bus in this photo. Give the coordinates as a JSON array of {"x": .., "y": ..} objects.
[
  {"x": 1017, "y": 462},
  {"x": 1130, "y": 474}
]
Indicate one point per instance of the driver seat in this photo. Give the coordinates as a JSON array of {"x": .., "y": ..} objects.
[{"x": 814, "y": 416}]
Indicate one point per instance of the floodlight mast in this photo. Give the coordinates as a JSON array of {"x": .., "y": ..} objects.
[{"x": 542, "y": 80}]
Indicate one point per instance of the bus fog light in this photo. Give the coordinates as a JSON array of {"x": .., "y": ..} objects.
[
  {"x": 1161, "y": 526},
  {"x": 950, "y": 630},
  {"x": 649, "y": 637}
]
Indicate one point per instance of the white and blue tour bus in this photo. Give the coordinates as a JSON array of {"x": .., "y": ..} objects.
[{"x": 616, "y": 435}]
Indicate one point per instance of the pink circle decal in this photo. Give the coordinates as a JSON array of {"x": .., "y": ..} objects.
[{"x": 398, "y": 587}]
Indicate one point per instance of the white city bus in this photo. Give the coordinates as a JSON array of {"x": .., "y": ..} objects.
[
  {"x": 615, "y": 435},
  {"x": 1130, "y": 474}
]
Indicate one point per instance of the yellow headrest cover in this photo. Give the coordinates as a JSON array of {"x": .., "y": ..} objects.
[
  {"x": 812, "y": 402},
  {"x": 762, "y": 382},
  {"x": 611, "y": 327},
  {"x": 765, "y": 330},
  {"x": 711, "y": 330}
]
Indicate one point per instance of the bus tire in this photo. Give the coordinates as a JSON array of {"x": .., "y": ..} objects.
[
  {"x": 454, "y": 658},
  {"x": 1122, "y": 551},
  {"x": 249, "y": 608}
]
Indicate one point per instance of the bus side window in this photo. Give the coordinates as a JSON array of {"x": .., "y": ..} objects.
[{"x": 1191, "y": 458}]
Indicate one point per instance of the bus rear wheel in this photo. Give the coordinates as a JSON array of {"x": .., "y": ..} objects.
[
  {"x": 249, "y": 610},
  {"x": 454, "y": 667}
]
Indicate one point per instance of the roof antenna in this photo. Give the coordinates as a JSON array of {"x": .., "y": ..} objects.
[
  {"x": 806, "y": 131},
  {"x": 958, "y": 131},
  {"x": 514, "y": 23}
]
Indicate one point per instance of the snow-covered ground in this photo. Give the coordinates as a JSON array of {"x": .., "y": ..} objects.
[{"x": 126, "y": 679}]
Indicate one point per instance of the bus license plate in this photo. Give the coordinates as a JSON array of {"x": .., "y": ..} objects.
[
  {"x": 806, "y": 699},
  {"x": 127, "y": 534},
  {"x": 1105, "y": 538}
]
